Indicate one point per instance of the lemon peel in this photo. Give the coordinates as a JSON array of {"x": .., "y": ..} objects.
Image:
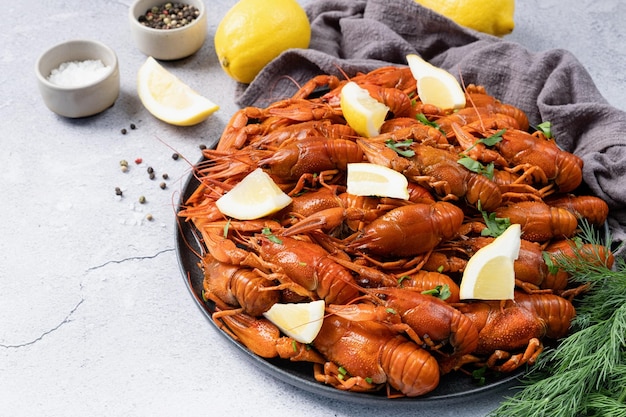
[
  {"x": 254, "y": 32},
  {"x": 167, "y": 98},
  {"x": 256, "y": 196},
  {"x": 300, "y": 321},
  {"x": 363, "y": 113},
  {"x": 365, "y": 179},
  {"x": 489, "y": 273},
  {"x": 495, "y": 17},
  {"x": 436, "y": 86}
]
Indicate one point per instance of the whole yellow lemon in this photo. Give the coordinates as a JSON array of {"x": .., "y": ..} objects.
[
  {"x": 489, "y": 16},
  {"x": 254, "y": 32}
]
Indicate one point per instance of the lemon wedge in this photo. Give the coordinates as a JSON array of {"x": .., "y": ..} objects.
[
  {"x": 367, "y": 179},
  {"x": 363, "y": 113},
  {"x": 436, "y": 86},
  {"x": 256, "y": 196},
  {"x": 300, "y": 321},
  {"x": 489, "y": 273},
  {"x": 168, "y": 98}
]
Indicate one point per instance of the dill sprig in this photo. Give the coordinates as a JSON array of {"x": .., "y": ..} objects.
[{"x": 585, "y": 374}]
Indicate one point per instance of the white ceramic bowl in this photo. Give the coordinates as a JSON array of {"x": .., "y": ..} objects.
[
  {"x": 167, "y": 44},
  {"x": 85, "y": 99}
]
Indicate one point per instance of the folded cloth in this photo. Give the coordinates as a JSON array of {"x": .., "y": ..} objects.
[{"x": 351, "y": 36}]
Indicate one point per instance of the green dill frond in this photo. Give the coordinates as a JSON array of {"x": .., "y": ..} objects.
[
  {"x": 606, "y": 294},
  {"x": 552, "y": 396},
  {"x": 603, "y": 405},
  {"x": 585, "y": 375},
  {"x": 588, "y": 362}
]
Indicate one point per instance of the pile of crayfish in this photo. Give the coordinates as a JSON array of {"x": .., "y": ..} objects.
[{"x": 389, "y": 269}]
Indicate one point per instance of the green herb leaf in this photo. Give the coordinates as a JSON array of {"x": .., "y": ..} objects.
[
  {"x": 272, "y": 238},
  {"x": 401, "y": 279},
  {"x": 471, "y": 164},
  {"x": 489, "y": 140},
  {"x": 477, "y": 167},
  {"x": 440, "y": 291},
  {"x": 487, "y": 170},
  {"x": 401, "y": 147},
  {"x": 226, "y": 227},
  {"x": 493, "y": 139},
  {"x": 546, "y": 129},
  {"x": 552, "y": 267},
  {"x": 421, "y": 117},
  {"x": 479, "y": 375},
  {"x": 495, "y": 225}
]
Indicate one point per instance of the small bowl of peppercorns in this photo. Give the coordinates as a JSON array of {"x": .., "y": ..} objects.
[{"x": 168, "y": 30}]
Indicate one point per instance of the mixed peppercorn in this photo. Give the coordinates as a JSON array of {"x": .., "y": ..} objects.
[
  {"x": 125, "y": 167},
  {"x": 169, "y": 16}
]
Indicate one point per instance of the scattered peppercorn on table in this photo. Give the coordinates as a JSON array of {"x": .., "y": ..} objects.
[{"x": 95, "y": 317}]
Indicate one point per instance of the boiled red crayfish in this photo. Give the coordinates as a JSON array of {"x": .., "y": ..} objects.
[
  {"x": 376, "y": 260},
  {"x": 372, "y": 355},
  {"x": 439, "y": 170}
]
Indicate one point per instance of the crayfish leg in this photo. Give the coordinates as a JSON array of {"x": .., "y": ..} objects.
[
  {"x": 330, "y": 374},
  {"x": 514, "y": 361}
]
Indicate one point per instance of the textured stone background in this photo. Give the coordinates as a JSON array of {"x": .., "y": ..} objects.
[{"x": 95, "y": 318}]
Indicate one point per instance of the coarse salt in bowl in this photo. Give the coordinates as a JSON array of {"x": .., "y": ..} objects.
[
  {"x": 78, "y": 73},
  {"x": 78, "y": 78},
  {"x": 167, "y": 44}
]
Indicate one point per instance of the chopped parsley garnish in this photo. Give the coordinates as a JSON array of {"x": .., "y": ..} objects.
[
  {"x": 546, "y": 129},
  {"x": 272, "y": 238},
  {"x": 226, "y": 227},
  {"x": 489, "y": 140},
  {"x": 495, "y": 225},
  {"x": 477, "y": 167},
  {"x": 440, "y": 291},
  {"x": 421, "y": 117},
  {"x": 401, "y": 148}
]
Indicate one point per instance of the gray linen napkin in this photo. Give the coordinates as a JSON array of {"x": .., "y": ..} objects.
[{"x": 352, "y": 36}]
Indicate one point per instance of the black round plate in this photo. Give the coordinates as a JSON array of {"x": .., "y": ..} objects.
[{"x": 452, "y": 387}]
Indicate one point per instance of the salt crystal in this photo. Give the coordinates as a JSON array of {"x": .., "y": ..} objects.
[{"x": 78, "y": 73}]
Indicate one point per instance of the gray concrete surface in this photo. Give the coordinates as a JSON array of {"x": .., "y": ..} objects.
[{"x": 95, "y": 319}]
